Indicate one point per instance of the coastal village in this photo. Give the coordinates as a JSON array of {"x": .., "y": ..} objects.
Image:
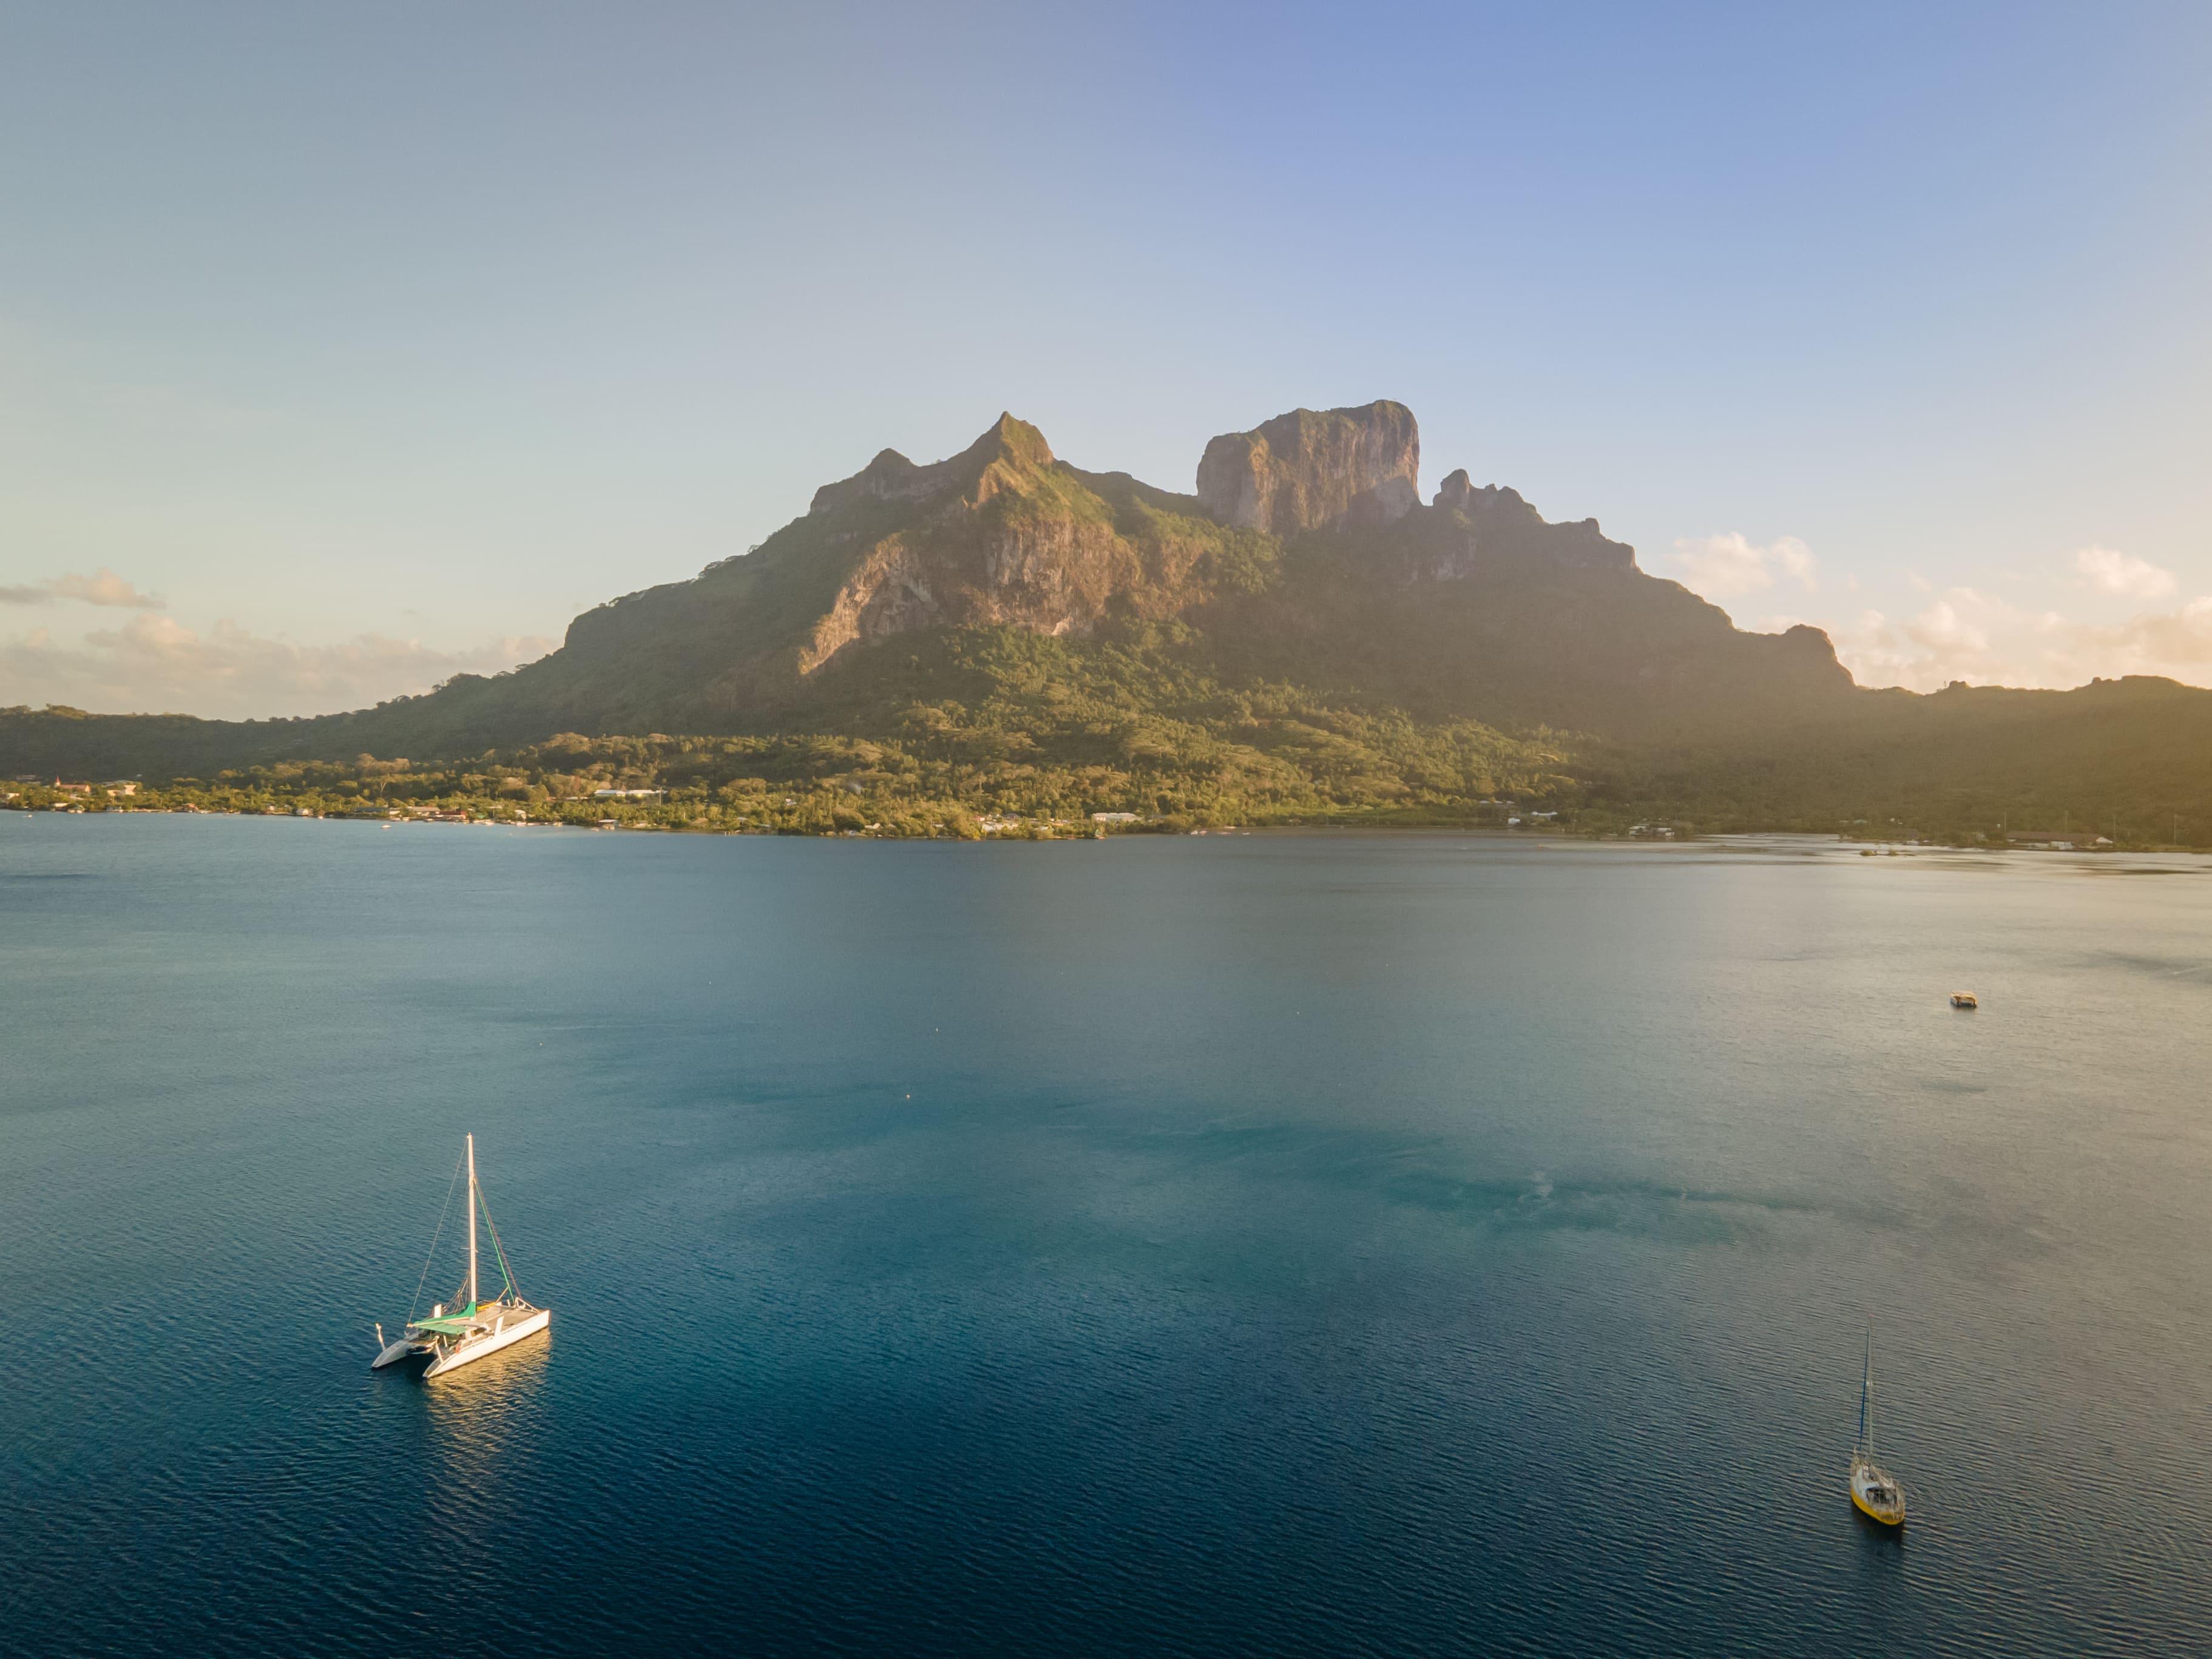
[{"x": 659, "y": 808}]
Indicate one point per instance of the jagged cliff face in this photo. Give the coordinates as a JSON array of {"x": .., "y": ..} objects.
[
  {"x": 999, "y": 534},
  {"x": 1307, "y": 470},
  {"x": 1003, "y": 534},
  {"x": 1471, "y": 532}
]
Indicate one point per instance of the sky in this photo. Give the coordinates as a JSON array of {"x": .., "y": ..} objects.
[{"x": 345, "y": 348}]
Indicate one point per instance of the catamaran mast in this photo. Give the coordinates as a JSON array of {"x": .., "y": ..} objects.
[{"x": 472, "y": 1221}]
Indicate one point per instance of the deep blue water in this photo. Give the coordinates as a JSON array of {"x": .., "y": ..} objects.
[{"x": 1234, "y": 1245}]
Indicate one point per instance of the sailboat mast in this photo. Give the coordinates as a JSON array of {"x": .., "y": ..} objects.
[
  {"x": 1866, "y": 1399},
  {"x": 1869, "y": 1394},
  {"x": 472, "y": 1221}
]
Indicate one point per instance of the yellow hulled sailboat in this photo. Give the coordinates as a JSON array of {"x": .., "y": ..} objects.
[{"x": 1874, "y": 1489}]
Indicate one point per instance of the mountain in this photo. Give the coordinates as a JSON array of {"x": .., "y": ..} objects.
[
  {"x": 1301, "y": 629},
  {"x": 1305, "y": 556}
]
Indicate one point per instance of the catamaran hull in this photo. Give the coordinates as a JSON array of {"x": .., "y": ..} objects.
[
  {"x": 395, "y": 1352},
  {"x": 476, "y": 1347}
]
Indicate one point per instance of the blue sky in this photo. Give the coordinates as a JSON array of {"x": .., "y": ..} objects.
[{"x": 340, "y": 348}]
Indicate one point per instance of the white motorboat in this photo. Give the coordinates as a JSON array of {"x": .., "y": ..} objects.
[{"x": 464, "y": 1331}]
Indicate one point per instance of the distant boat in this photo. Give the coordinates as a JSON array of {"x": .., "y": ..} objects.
[
  {"x": 1964, "y": 1000},
  {"x": 472, "y": 1328},
  {"x": 1874, "y": 1489}
]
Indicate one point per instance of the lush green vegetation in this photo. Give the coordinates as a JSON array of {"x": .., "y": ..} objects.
[
  {"x": 990, "y": 724},
  {"x": 953, "y": 732}
]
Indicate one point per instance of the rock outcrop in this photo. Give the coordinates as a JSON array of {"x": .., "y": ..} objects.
[
  {"x": 890, "y": 478},
  {"x": 994, "y": 537},
  {"x": 1307, "y": 469},
  {"x": 1493, "y": 530},
  {"x": 1457, "y": 491}
]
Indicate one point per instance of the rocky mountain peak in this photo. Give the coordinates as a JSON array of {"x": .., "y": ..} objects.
[
  {"x": 1458, "y": 494},
  {"x": 1311, "y": 468},
  {"x": 1010, "y": 439},
  {"x": 1007, "y": 442}
]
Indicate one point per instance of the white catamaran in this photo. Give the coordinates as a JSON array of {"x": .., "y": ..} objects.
[{"x": 457, "y": 1334}]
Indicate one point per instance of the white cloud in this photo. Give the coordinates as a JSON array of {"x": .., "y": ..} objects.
[
  {"x": 103, "y": 587},
  {"x": 1969, "y": 635},
  {"x": 2111, "y": 571},
  {"x": 1796, "y": 561},
  {"x": 1728, "y": 566},
  {"x": 155, "y": 663}
]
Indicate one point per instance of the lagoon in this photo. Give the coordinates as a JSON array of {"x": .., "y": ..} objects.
[{"x": 1392, "y": 1244}]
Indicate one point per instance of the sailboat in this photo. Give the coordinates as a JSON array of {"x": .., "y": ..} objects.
[
  {"x": 461, "y": 1333},
  {"x": 1874, "y": 1489}
]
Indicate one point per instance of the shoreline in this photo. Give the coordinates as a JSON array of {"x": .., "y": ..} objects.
[{"x": 1546, "y": 839}]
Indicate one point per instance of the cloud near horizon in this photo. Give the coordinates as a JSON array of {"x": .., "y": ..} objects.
[
  {"x": 103, "y": 587},
  {"x": 1729, "y": 567},
  {"x": 1965, "y": 635},
  {"x": 2111, "y": 571},
  {"x": 155, "y": 664}
]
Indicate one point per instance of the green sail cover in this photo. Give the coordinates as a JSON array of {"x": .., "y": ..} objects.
[{"x": 452, "y": 1324}]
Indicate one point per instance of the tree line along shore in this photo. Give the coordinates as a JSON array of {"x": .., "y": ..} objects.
[{"x": 1474, "y": 779}]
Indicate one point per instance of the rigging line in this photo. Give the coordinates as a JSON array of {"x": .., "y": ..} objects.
[
  {"x": 497, "y": 1249},
  {"x": 428, "y": 1260}
]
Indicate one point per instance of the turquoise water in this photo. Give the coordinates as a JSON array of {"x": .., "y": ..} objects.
[{"x": 1234, "y": 1245}]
